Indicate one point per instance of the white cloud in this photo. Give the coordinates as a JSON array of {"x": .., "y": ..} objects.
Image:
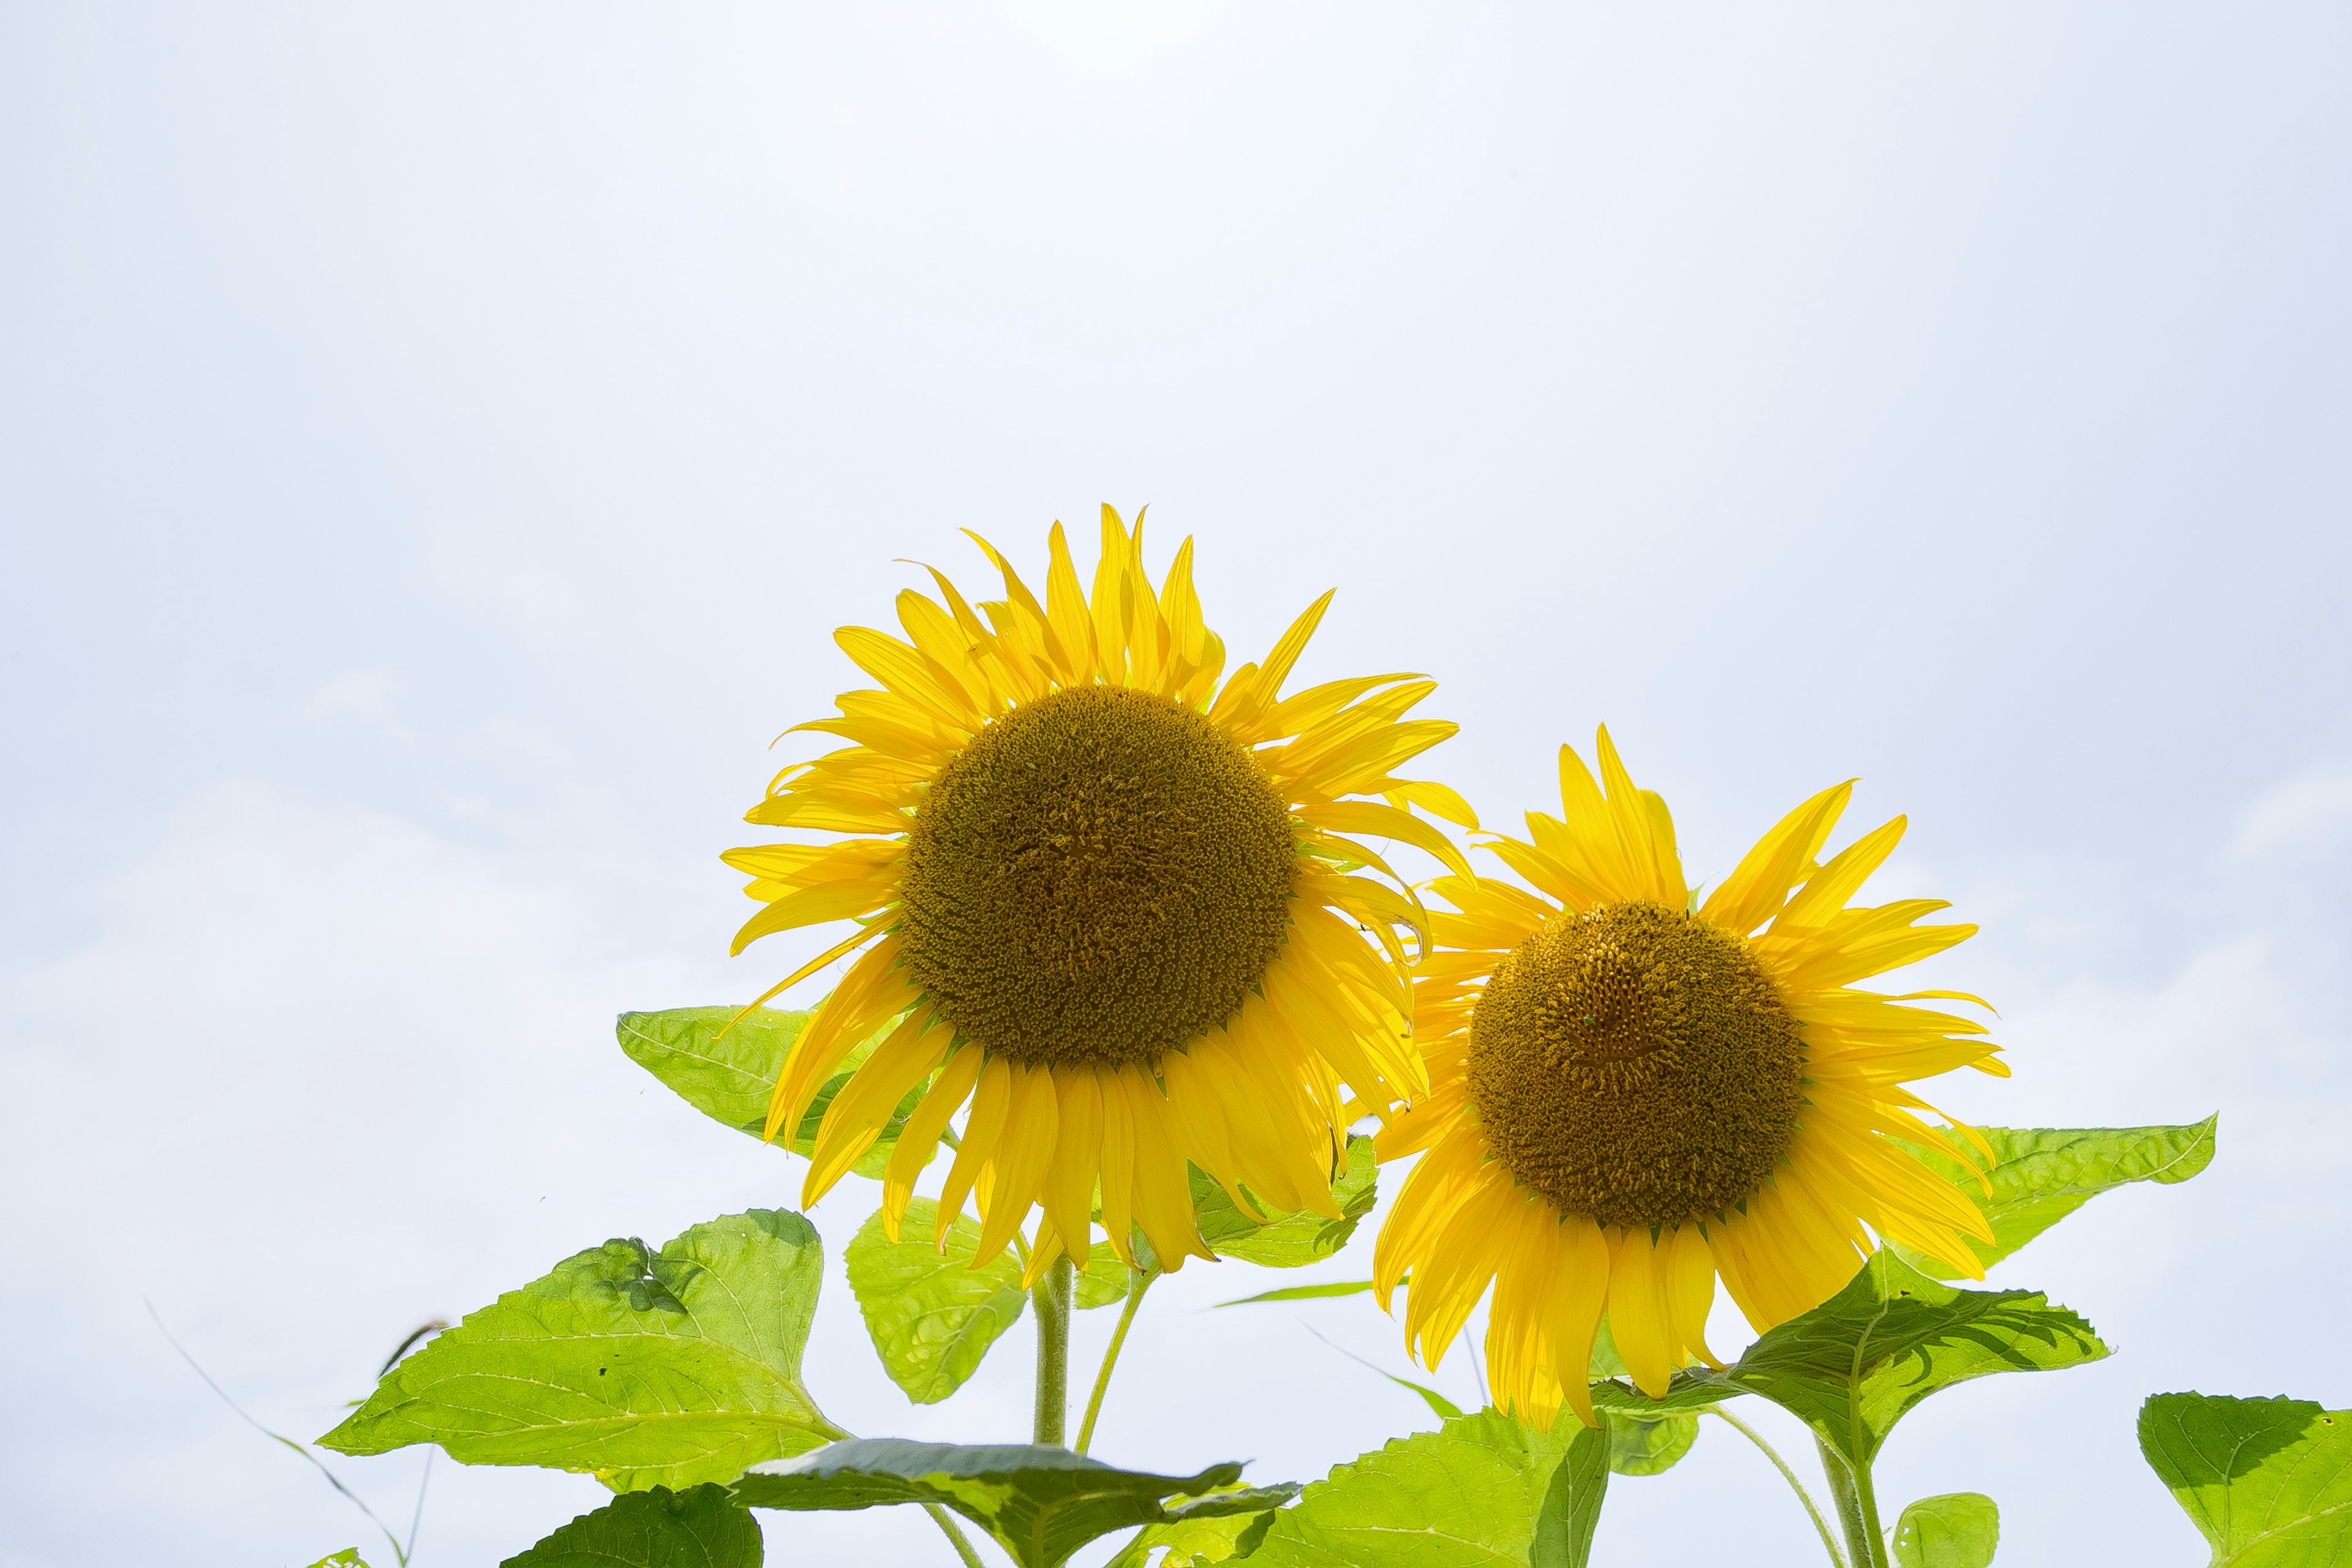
[
  {"x": 363, "y": 694},
  {"x": 2311, "y": 809}
]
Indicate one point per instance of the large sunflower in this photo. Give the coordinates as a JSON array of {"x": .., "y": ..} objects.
[
  {"x": 1633, "y": 1092},
  {"x": 1107, "y": 901}
]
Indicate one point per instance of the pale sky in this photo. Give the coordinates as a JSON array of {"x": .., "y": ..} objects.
[{"x": 437, "y": 443}]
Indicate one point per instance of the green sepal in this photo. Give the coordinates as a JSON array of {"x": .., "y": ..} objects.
[
  {"x": 1040, "y": 1503},
  {"x": 698, "y": 1528},
  {"x": 1647, "y": 1445},
  {"x": 1287, "y": 1240},
  {"x": 730, "y": 1074},
  {"x": 2042, "y": 1174},
  {"x": 642, "y": 1368},
  {"x": 2267, "y": 1481},
  {"x": 1957, "y": 1530},
  {"x": 1483, "y": 1489}
]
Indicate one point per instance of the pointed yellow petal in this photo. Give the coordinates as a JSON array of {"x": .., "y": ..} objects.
[{"x": 919, "y": 1139}]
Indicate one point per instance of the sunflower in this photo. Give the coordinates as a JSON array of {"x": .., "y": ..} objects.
[
  {"x": 1634, "y": 1092},
  {"x": 1109, "y": 901}
]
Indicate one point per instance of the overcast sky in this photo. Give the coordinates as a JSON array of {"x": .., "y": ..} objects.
[{"x": 437, "y": 442}]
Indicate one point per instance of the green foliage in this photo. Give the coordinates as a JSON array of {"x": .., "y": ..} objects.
[
  {"x": 1855, "y": 1365},
  {"x": 932, "y": 1315},
  {"x": 644, "y": 1368},
  {"x": 2042, "y": 1174},
  {"x": 1689, "y": 1392},
  {"x": 1642, "y": 1445},
  {"x": 1040, "y": 1504},
  {"x": 698, "y": 1528},
  {"x": 2269, "y": 1481},
  {"x": 348, "y": 1557},
  {"x": 730, "y": 1074},
  {"x": 1304, "y": 1293},
  {"x": 1957, "y": 1530},
  {"x": 1105, "y": 1282},
  {"x": 1289, "y": 1240},
  {"x": 1483, "y": 1488},
  {"x": 1194, "y": 1543}
]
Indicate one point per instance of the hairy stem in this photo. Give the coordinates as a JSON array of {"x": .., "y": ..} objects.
[
  {"x": 1051, "y": 1296},
  {"x": 1858, "y": 1508},
  {"x": 1829, "y": 1541},
  {"x": 955, "y": 1536},
  {"x": 1138, "y": 1281}
]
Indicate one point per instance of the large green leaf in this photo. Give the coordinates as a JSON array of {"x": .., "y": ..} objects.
[
  {"x": 2269, "y": 1481},
  {"x": 932, "y": 1315},
  {"x": 645, "y": 1368},
  {"x": 728, "y": 1074},
  {"x": 1482, "y": 1489},
  {"x": 698, "y": 1528},
  {"x": 1957, "y": 1530},
  {"x": 1040, "y": 1504},
  {"x": 1287, "y": 1240},
  {"x": 2042, "y": 1174},
  {"x": 1855, "y": 1365}
]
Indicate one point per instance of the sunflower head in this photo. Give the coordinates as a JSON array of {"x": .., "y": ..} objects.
[
  {"x": 1108, "y": 896},
  {"x": 1634, "y": 1093}
]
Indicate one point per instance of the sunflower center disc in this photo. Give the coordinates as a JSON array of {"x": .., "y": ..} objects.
[
  {"x": 1636, "y": 1064},
  {"x": 1099, "y": 876}
]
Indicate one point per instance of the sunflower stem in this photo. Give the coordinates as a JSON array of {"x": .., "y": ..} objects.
[
  {"x": 1137, "y": 1281},
  {"x": 1857, "y": 1507},
  {"x": 955, "y": 1536},
  {"x": 1051, "y": 1296},
  {"x": 1829, "y": 1541}
]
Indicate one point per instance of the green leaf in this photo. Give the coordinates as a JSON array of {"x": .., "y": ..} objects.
[
  {"x": 2269, "y": 1481},
  {"x": 1482, "y": 1489},
  {"x": 1194, "y": 1543},
  {"x": 1441, "y": 1407},
  {"x": 1855, "y": 1365},
  {"x": 1040, "y": 1504},
  {"x": 1645, "y": 1446},
  {"x": 1288, "y": 1240},
  {"x": 931, "y": 1316},
  {"x": 698, "y": 1528},
  {"x": 2042, "y": 1174},
  {"x": 1104, "y": 1283},
  {"x": 1612, "y": 1390},
  {"x": 1689, "y": 1392},
  {"x": 348, "y": 1557},
  {"x": 730, "y": 1074},
  {"x": 644, "y": 1368},
  {"x": 1304, "y": 1293},
  {"x": 1957, "y": 1530}
]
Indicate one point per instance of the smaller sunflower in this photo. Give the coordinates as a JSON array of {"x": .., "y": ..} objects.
[
  {"x": 1634, "y": 1092},
  {"x": 1107, "y": 899}
]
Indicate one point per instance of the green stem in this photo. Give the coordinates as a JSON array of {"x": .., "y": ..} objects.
[
  {"x": 955, "y": 1536},
  {"x": 1829, "y": 1541},
  {"x": 1051, "y": 1296},
  {"x": 1138, "y": 1281},
  {"x": 1857, "y": 1507}
]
